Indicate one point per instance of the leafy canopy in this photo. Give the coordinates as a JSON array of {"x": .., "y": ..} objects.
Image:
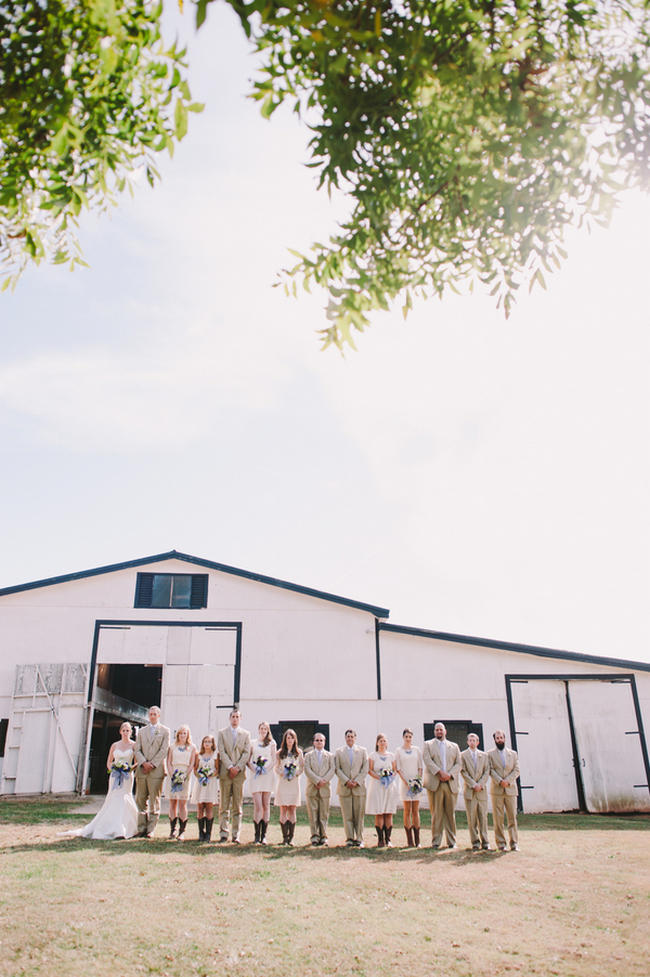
[
  {"x": 468, "y": 134},
  {"x": 88, "y": 95}
]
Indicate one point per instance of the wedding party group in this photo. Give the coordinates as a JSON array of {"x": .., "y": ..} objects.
[{"x": 212, "y": 776}]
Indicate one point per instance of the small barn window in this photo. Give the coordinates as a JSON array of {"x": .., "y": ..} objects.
[
  {"x": 171, "y": 590},
  {"x": 305, "y": 731},
  {"x": 457, "y": 731}
]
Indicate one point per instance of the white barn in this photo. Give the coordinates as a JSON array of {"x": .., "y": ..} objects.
[{"x": 83, "y": 651}]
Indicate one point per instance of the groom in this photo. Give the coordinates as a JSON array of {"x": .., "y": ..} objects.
[{"x": 151, "y": 745}]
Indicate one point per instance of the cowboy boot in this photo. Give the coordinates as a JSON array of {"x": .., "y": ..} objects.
[
  {"x": 380, "y": 836},
  {"x": 416, "y": 837},
  {"x": 201, "y": 823},
  {"x": 181, "y": 829},
  {"x": 409, "y": 836},
  {"x": 207, "y": 834},
  {"x": 387, "y": 833},
  {"x": 292, "y": 828},
  {"x": 263, "y": 826},
  {"x": 257, "y": 831},
  {"x": 172, "y": 827}
]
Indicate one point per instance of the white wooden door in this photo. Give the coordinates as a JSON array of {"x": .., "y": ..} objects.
[
  {"x": 609, "y": 746},
  {"x": 548, "y": 778}
]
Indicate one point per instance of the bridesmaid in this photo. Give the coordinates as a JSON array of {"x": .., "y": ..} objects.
[
  {"x": 261, "y": 765},
  {"x": 409, "y": 766},
  {"x": 181, "y": 758},
  {"x": 382, "y": 792},
  {"x": 289, "y": 764},
  {"x": 206, "y": 786}
]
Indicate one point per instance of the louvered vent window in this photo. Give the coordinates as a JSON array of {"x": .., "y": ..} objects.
[{"x": 171, "y": 590}]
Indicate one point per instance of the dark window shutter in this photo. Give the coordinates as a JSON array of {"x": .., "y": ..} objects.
[
  {"x": 199, "y": 595},
  {"x": 144, "y": 590}
]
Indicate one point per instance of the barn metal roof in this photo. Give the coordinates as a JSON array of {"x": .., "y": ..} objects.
[{"x": 381, "y": 612}]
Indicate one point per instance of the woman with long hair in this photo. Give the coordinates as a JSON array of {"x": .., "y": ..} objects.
[
  {"x": 181, "y": 757},
  {"x": 261, "y": 766},
  {"x": 381, "y": 799},
  {"x": 289, "y": 764}
]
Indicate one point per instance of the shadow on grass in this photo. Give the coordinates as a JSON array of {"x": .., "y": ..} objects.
[
  {"x": 270, "y": 854},
  {"x": 66, "y": 809}
]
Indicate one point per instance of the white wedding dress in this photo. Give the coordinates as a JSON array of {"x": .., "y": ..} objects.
[{"x": 118, "y": 816}]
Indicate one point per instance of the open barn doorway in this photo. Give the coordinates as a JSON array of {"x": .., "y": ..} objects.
[{"x": 122, "y": 692}]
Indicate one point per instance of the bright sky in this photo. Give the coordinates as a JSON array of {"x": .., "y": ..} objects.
[{"x": 474, "y": 475}]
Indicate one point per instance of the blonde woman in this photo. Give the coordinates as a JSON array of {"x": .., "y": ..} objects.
[
  {"x": 289, "y": 764},
  {"x": 206, "y": 787},
  {"x": 181, "y": 758},
  {"x": 261, "y": 766}
]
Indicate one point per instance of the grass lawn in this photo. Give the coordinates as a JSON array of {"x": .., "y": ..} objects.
[{"x": 573, "y": 902}]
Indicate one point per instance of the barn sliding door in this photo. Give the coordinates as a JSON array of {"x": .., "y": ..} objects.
[
  {"x": 609, "y": 746},
  {"x": 580, "y": 742},
  {"x": 548, "y": 780}
]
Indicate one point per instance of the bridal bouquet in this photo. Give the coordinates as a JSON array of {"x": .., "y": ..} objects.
[
  {"x": 290, "y": 770},
  {"x": 119, "y": 770},
  {"x": 177, "y": 780},
  {"x": 260, "y": 764},
  {"x": 415, "y": 787},
  {"x": 386, "y": 777}
]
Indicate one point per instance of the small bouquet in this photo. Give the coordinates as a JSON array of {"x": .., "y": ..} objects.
[
  {"x": 204, "y": 772},
  {"x": 386, "y": 777},
  {"x": 260, "y": 765},
  {"x": 415, "y": 787},
  {"x": 177, "y": 781},
  {"x": 289, "y": 771},
  {"x": 119, "y": 770}
]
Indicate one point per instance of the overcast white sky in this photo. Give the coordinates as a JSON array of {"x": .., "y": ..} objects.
[{"x": 474, "y": 475}]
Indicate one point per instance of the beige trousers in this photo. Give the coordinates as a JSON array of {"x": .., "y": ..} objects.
[
  {"x": 353, "y": 808},
  {"x": 442, "y": 804},
  {"x": 504, "y": 803},
  {"x": 318, "y": 810},
  {"x": 476, "y": 807},
  {"x": 148, "y": 788},
  {"x": 231, "y": 798}
]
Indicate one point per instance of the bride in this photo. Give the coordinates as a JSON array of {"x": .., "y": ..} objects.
[{"x": 118, "y": 817}]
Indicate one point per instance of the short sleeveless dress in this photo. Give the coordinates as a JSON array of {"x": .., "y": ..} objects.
[
  {"x": 287, "y": 789},
  {"x": 381, "y": 796},
  {"x": 409, "y": 763},
  {"x": 180, "y": 774},
  {"x": 206, "y": 782},
  {"x": 262, "y": 776}
]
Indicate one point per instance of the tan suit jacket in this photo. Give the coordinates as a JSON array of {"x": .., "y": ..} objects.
[
  {"x": 235, "y": 754},
  {"x": 315, "y": 771},
  {"x": 151, "y": 745},
  {"x": 357, "y": 770},
  {"x": 473, "y": 777},
  {"x": 497, "y": 772},
  {"x": 431, "y": 755}
]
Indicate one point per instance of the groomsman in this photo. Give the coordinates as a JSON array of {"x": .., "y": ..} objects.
[
  {"x": 475, "y": 771},
  {"x": 319, "y": 770},
  {"x": 234, "y": 748},
  {"x": 504, "y": 770},
  {"x": 441, "y": 769},
  {"x": 351, "y": 767},
  {"x": 151, "y": 745}
]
